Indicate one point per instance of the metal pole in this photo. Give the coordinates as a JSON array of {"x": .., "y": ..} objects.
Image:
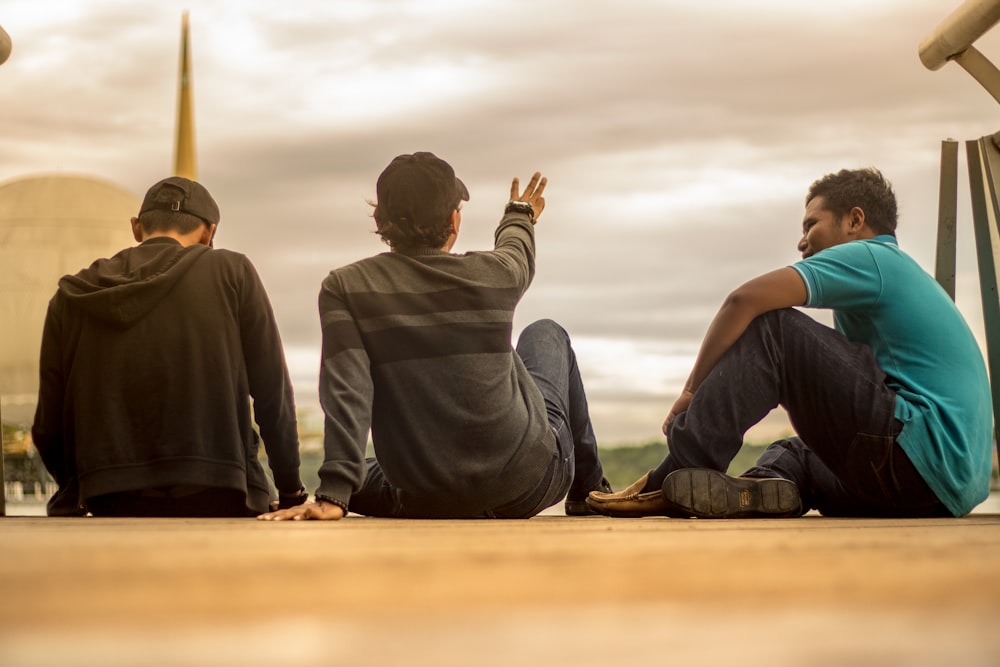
[
  {"x": 953, "y": 39},
  {"x": 944, "y": 268},
  {"x": 958, "y": 32},
  {"x": 981, "y": 69},
  {"x": 984, "y": 168}
]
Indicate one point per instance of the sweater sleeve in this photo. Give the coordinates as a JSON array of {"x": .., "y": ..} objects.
[
  {"x": 514, "y": 247},
  {"x": 47, "y": 431},
  {"x": 346, "y": 392},
  {"x": 270, "y": 385}
]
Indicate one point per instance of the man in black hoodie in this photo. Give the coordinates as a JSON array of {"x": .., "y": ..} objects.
[{"x": 149, "y": 362}]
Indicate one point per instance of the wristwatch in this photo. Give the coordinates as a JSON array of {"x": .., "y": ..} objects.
[{"x": 516, "y": 206}]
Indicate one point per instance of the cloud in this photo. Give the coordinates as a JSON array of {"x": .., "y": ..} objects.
[{"x": 679, "y": 138}]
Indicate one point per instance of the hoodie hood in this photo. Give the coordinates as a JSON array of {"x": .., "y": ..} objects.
[{"x": 122, "y": 289}]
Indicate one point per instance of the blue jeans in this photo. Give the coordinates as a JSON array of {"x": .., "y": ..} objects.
[
  {"x": 548, "y": 356},
  {"x": 846, "y": 460}
]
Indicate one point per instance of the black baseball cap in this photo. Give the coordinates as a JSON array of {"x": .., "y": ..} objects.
[
  {"x": 182, "y": 195},
  {"x": 420, "y": 187}
]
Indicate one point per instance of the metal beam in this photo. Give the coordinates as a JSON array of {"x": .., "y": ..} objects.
[
  {"x": 984, "y": 169},
  {"x": 958, "y": 32},
  {"x": 981, "y": 69},
  {"x": 944, "y": 267}
]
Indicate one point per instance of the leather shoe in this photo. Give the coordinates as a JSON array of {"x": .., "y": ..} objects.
[
  {"x": 710, "y": 494},
  {"x": 631, "y": 502},
  {"x": 579, "y": 506}
]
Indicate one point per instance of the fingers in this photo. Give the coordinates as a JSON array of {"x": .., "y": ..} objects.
[
  {"x": 536, "y": 186},
  {"x": 679, "y": 406},
  {"x": 323, "y": 511},
  {"x": 280, "y": 515},
  {"x": 532, "y": 192},
  {"x": 296, "y": 513}
]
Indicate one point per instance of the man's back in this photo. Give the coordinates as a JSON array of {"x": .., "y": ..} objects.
[
  {"x": 428, "y": 334},
  {"x": 145, "y": 380}
]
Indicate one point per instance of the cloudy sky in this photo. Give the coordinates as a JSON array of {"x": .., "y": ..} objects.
[{"x": 678, "y": 136}]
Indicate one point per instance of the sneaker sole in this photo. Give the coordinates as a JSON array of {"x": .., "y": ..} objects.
[{"x": 710, "y": 494}]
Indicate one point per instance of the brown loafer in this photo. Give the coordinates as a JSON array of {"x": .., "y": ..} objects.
[{"x": 631, "y": 502}]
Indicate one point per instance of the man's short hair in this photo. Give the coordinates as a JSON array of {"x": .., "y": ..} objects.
[
  {"x": 167, "y": 221},
  {"x": 177, "y": 203},
  {"x": 416, "y": 195},
  {"x": 867, "y": 189}
]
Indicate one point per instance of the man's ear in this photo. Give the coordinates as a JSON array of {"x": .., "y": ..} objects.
[
  {"x": 207, "y": 234},
  {"x": 136, "y": 230},
  {"x": 856, "y": 218},
  {"x": 455, "y": 220}
]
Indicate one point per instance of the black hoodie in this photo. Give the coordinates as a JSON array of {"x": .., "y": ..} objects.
[{"x": 149, "y": 361}]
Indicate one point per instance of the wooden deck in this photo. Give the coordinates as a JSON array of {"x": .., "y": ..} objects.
[{"x": 548, "y": 591}]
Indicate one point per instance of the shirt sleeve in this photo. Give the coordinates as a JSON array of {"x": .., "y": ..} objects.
[
  {"x": 845, "y": 277},
  {"x": 346, "y": 392}
]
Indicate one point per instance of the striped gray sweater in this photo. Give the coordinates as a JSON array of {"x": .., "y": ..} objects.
[{"x": 417, "y": 346}]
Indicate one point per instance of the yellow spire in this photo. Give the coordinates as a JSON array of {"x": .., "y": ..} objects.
[{"x": 184, "y": 161}]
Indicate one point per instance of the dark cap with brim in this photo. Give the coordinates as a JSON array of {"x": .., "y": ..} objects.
[
  {"x": 418, "y": 187},
  {"x": 181, "y": 195}
]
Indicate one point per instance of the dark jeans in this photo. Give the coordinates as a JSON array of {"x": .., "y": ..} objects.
[
  {"x": 545, "y": 349},
  {"x": 846, "y": 461},
  {"x": 214, "y": 502}
]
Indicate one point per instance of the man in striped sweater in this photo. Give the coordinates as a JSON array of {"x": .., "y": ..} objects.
[{"x": 417, "y": 348}]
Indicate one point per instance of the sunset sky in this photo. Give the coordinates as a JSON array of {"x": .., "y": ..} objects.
[{"x": 679, "y": 138}]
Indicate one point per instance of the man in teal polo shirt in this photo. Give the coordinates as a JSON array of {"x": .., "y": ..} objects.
[{"x": 891, "y": 409}]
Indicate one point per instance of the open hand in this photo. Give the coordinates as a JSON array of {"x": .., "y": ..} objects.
[
  {"x": 680, "y": 405},
  {"x": 532, "y": 193},
  {"x": 321, "y": 511}
]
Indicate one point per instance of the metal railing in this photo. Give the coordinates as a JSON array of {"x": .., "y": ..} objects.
[{"x": 952, "y": 41}]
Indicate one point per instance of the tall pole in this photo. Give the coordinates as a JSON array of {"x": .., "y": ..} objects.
[
  {"x": 184, "y": 154},
  {"x": 944, "y": 266}
]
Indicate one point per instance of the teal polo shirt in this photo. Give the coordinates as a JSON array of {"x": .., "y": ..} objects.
[{"x": 881, "y": 297}]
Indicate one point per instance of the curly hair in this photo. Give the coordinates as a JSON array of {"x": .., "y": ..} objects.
[
  {"x": 408, "y": 233},
  {"x": 866, "y": 189}
]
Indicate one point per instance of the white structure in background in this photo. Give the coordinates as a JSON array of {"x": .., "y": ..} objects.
[
  {"x": 53, "y": 224},
  {"x": 50, "y": 225}
]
